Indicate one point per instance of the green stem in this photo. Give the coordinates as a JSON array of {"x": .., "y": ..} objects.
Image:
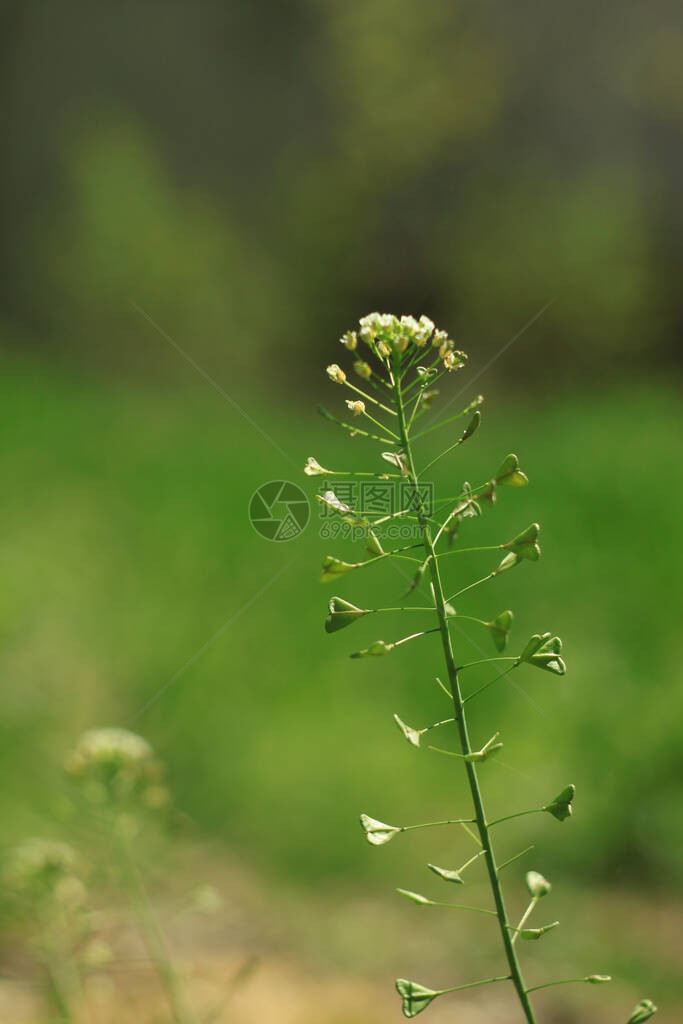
[
  {"x": 354, "y": 429},
  {"x": 511, "y": 860},
  {"x": 551, "y": 984},
  {"x": 473, "y": 984},
  {"x": 368, "y": 398},
  {"x": 459, "y": 713},
  {"x": 519, "y": 814},
  {"x": 444, "y": 423},
  {"x": 433, "y": 824},
  {"x": 57, "y": 972}
]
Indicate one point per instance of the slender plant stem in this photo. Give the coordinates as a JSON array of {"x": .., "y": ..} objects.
[
  {"x": 511, "y": 860},
  {"x": 473, "y": 984},
  {"x": 61, "y": 984},
  {"x": 459, "y": 713},
  {"x": 152, "y": 934}
]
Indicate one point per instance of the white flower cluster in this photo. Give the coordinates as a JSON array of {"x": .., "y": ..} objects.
[
  {"x": 110, "y": 746},
  {"x": 117, "y": 764},
  {"x": 386, "y": 331},
  {"x": 39, "y": 867}
]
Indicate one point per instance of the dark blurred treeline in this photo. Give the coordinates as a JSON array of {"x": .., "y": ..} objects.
[{"x": 254, "y": 175}]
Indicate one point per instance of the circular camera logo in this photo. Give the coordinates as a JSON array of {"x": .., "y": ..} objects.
[{"x": 279, "y": 510}]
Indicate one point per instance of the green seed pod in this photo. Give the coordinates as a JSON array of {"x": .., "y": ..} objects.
[
  {"x": 543, "y": 651},
  {"x": 416, "y": 998},
  {"x": 500, "y": 629},
  {"x": 489, "y": 748},
  {"x": 376, "y": 832},
  {"x": 525, "y": 543},
  {"x": 537, "y": 885},
  {"x": 447, "y": 875},
  {"x": 509, "y": 474},
  {"x": 313, "y": 468},
  {"x": 472, "y": 426},
  {"x": 642, "y": 1012},
  {"x": 561, "y": 806},
  {"x": 363, "y": 369},
  {"x": 533, "y": 934},
  {"x": 375, "y": 649},
  {"x": 331, "y": 501},
  {"x": 412, "y": 735},
  {"x": 342, "y": 613},
  {"x": 334, "y": 567},
  {"x": 415, "y": 897}
]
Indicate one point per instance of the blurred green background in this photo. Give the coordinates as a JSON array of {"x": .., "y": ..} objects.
[{"x": 198, "y": 200}]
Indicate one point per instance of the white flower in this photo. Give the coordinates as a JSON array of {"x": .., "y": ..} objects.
[
  {"x": 357, "y": 408},
  {"x": 336, "y": 373}
]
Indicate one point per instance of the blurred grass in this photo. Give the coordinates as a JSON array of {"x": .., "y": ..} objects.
[{"x": 126, "y": 549}]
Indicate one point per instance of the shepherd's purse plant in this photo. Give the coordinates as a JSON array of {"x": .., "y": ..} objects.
[{"x": 398, "y": 388}]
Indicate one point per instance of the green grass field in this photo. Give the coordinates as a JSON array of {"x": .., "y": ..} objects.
[{"x": 130, "y": 566}]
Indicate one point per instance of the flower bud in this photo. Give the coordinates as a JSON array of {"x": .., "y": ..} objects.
[
  {"x": 424, "y": 329},
  {"x": 416, "y": 998},
  {"x": 349, "y": 340},
  {"x": 336, "y": 374},
  {"x": 357, "y": 407},
  {"x": 376, "y": 832},
  {"x": 598, "y": 979},
  {"x": 537, "y": 885},
  {"x": 474, "y": 404},
  {"x": 363, "y": 369}
]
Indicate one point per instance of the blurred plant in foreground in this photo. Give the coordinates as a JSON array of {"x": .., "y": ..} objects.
[
  {"x": 120, "y": 776},
  {"x": 42, "y": 877}
]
